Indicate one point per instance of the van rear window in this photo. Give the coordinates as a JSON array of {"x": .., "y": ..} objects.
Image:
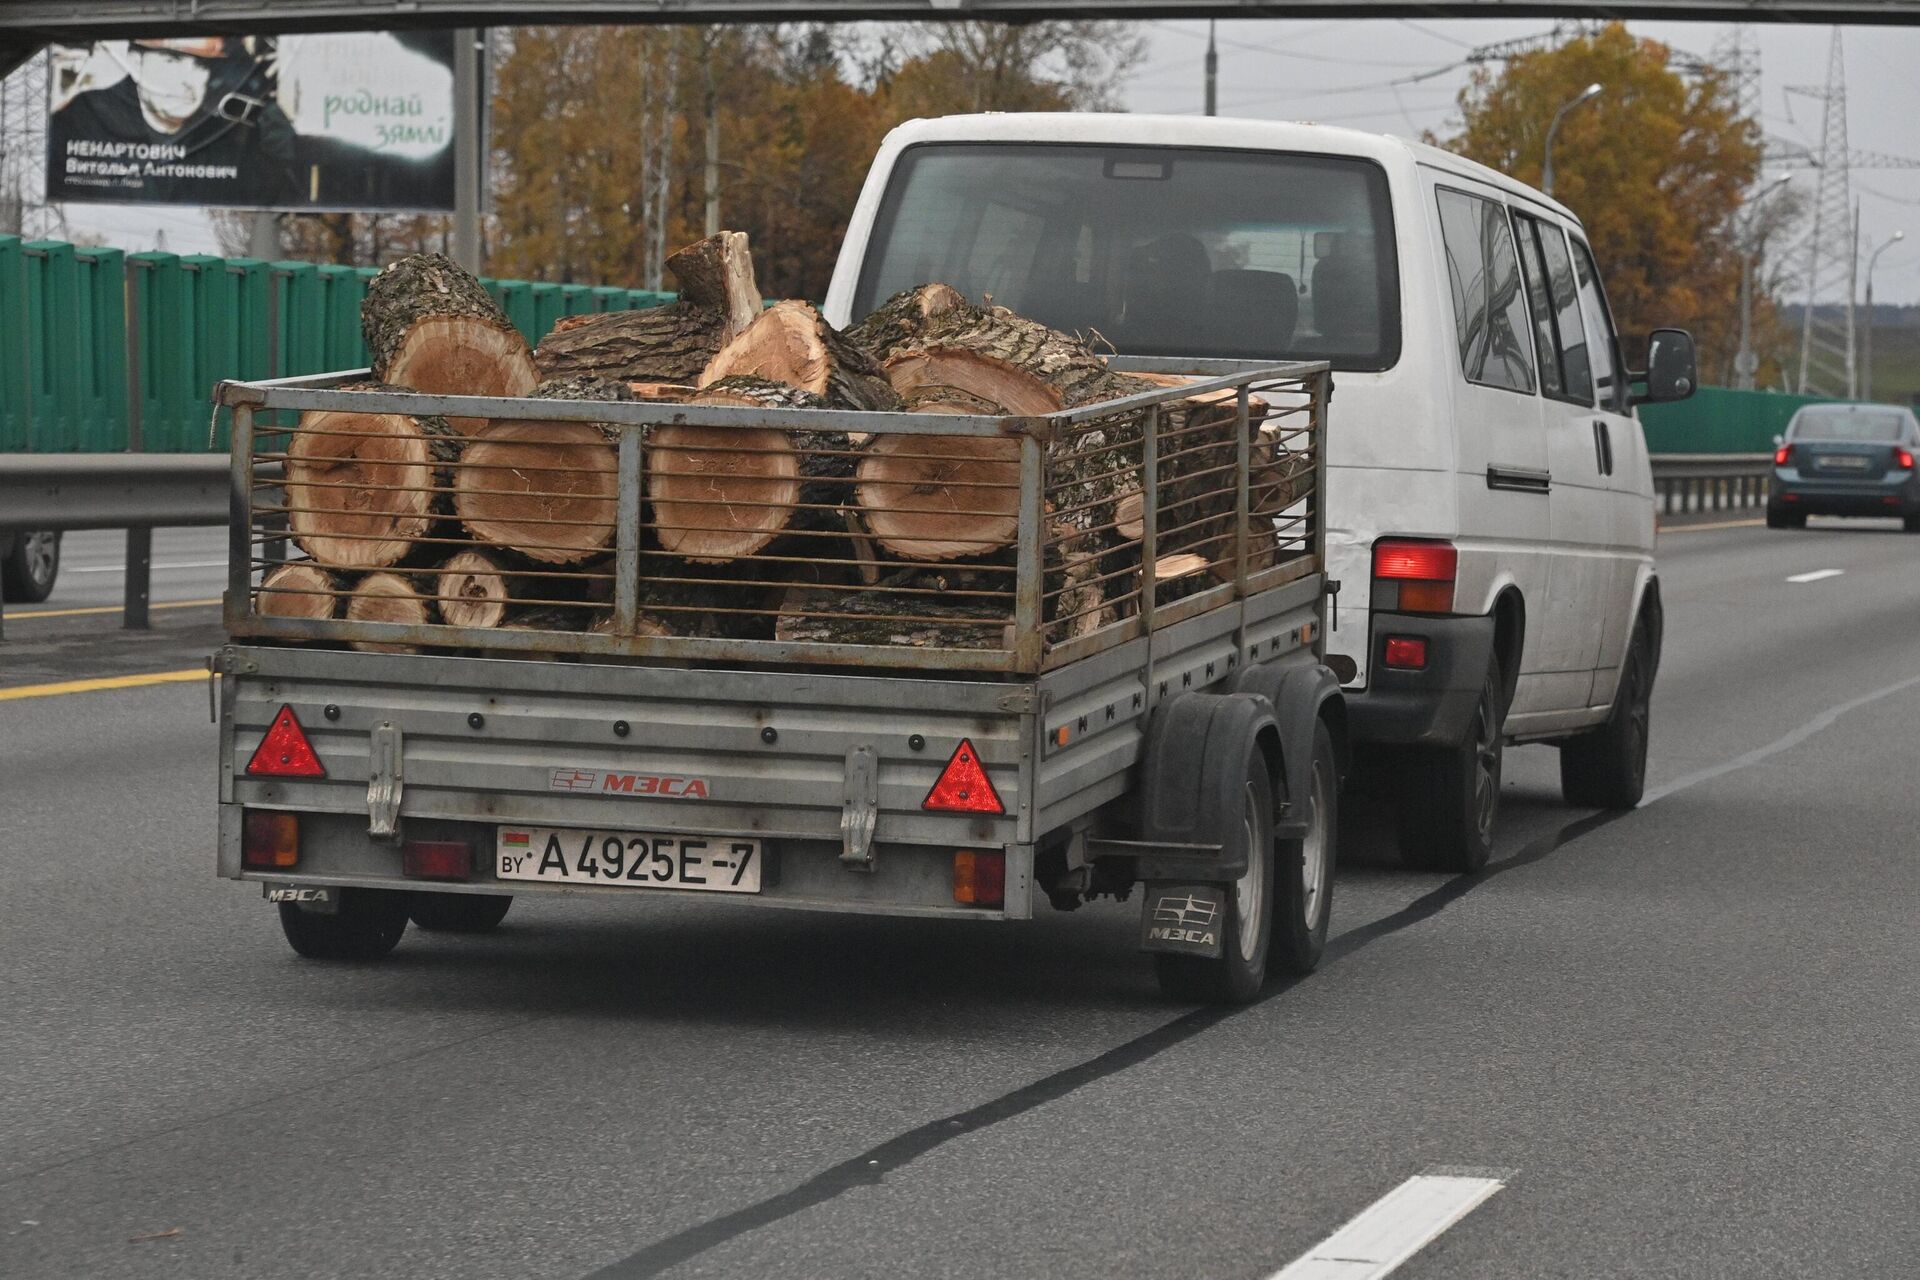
[{"x": 1160, "y": 252}]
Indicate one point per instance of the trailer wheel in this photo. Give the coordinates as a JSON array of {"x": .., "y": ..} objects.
[
  {"x": 1241, "y": 970},
  {"x": 366, "y": 927},
  {"x": 1303, "y": 901},
  {"x": 459, "y": 912}
]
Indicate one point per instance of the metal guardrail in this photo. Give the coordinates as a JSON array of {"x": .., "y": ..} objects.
[
  {"x": 1684, "y": 483},
  {"x": 138, "y": 492}
]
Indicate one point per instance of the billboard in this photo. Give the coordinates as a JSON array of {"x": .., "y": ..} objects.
[{"x": 356, "y": 121}]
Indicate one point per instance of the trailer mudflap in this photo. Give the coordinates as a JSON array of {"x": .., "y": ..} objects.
[{"x": 1184, "y": 919}]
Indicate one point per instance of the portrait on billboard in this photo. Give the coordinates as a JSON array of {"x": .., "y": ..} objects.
[{"x": 331, "y": 121}]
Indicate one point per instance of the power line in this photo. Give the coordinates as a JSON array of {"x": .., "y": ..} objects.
[{"x": 1334, "y": 59}]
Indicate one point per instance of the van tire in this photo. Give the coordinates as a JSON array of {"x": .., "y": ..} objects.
[
  {"x": 1449, "y": 797},
  {"x": 366, "y": 927},
  {"x": 459, "y": 912},
  {"x": 1240, "y": 972},
  {"x": 1303, "y": 895},
  {"x": 1607, "y": 767},
  {"x": 28, "y": 570}
]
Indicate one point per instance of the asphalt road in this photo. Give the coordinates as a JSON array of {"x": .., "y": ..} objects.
[{"x": 1688, "y": 1037}]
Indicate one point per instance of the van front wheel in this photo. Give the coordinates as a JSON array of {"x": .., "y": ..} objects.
[{"x": 1449, "y": 797}]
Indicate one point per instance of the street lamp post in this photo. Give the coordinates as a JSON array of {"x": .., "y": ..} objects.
[
  {"x": 1587, "y": 94},
  {"x": 1867, "y": 342},
  {"x": 1745, "y": 363}
]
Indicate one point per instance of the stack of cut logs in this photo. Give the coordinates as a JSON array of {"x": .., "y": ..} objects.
[{"x": 797, "y": 535}]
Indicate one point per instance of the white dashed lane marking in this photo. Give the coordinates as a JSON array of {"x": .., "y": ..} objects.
[
  {"x": 1396, "y": 1226},
  {"x": 1816, "y": 575}
]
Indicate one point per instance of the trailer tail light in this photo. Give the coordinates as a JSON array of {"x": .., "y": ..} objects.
[
  {"x": 963, "y": 786},
  {"x": 1783, "y": 455},
  {"x": 979, "y": 877},
  {"x": 1902, "y": 459},
  {"x": 437, "y": 859},
  {"x": 1423, "y": 571},
  {"x": 285, "y": 751},
  {"x": 270, "y": 841},
  {"x": 1406, "y": 653}
]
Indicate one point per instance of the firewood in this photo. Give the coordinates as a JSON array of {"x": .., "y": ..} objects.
[
  {"x": 663, "y": 392},
  {"x": 934, "y": 369},
  {"x": 717, "y": 273},
  {"x": 790, "y": 343},
  {"x": 547, "y": 491},
  {"x": 719, "y": 493},
  {"x": 472, "y": 590},
  {"x": 891, "y": 618},
  {"x": 361, "y": 487},
  {"x": 431, "y": 326},
  {"x": 905, "y": 318},
  {"x": 298, "y": 590},
  {"x": 1076, "y": 373},
  {"x": 659, "y": 344},
  {"x": 940, "y": 497},
  {"x": 386, "y": 597}
]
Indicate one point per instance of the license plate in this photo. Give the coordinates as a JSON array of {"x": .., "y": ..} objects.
[
  {"x": 1843, "y": 462},
  {"x": 560, "y": 855}
]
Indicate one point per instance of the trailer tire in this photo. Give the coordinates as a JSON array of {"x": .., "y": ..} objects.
[
  {"x": 366, "y": 927},
  {"x": 459, "y": 912},
  {"x": 1303, "y": 901},
  {"x": 1239, "y": 973}
]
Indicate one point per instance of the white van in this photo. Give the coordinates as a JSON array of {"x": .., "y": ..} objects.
[{"x": 1490, "y": 508}]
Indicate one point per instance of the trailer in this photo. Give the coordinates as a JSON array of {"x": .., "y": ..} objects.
[{"x": 1178, "y": 736}]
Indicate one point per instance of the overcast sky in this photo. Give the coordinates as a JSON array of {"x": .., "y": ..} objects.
[{"x": 1344, "y": 72}]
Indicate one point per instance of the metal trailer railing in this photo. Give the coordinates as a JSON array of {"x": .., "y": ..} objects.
[
  {"x": 1686, "y": 483},
  {"x": 1047, "y": 569}
]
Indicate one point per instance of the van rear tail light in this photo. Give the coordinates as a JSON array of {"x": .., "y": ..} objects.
[
  {"x": 285, "y": 751},
  {"x": 979, "y": 877},
  {"x": 1783, "y": 455},
  {"x": 269, "y": 841},
  {"x": 1423, "y": 572},
  {"x": 963, "y": 786},
  {"x": 437, "y": 859}
]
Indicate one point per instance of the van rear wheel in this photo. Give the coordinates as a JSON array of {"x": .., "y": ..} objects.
[
  {"x": 1449, "y": 797},
  {"x": 459, "y": 912}
]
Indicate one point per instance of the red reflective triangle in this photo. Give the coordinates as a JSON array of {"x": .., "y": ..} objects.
[
  {"x": 285, "y": 751},
  {"x": 964, "y": 786}
]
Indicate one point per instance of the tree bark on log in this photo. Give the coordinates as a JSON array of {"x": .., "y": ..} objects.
[
  {"x": 824, "y": 616},
  {"x": 547, "y": 491},
  {"x": 670, "y": 344},
  {"x": 431, "y": 326},
  {"x": 361, "y": 487},
  {"x": 386, "y": 597},
  {"x": 905, "y": 318},
  {"x": 717, "y": 273},
  {"x": 790, "y": 343},
  {"x": 299, "y": 590},
  {"x": 720, "y": 493}
]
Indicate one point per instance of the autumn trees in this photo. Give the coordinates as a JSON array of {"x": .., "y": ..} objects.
[{"x": 1656, "y": 169}]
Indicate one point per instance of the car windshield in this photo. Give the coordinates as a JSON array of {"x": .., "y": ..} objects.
[
  {"x": 1849, "y": 425},
  {"x": 1167, "y": 252}
]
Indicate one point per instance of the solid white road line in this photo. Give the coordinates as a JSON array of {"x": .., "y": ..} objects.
[
  {"x": 1816, "y": 575},
  {"x": 1395, "y": 1227}
]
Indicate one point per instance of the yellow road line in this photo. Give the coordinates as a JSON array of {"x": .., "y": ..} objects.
[
  {"x": 12, "y": 616},
  {"x": 105, "y": 682},
  {"x": 1702, "y": 528}
]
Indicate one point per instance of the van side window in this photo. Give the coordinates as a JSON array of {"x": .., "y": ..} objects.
[
  {"x": 1545, "y": 343},
  {"x": 1575, "y": 363},
  {"x": 1489, "y": 303},
  {"x": 1604, "y": 346}
]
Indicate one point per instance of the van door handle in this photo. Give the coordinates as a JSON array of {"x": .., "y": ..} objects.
[
  {"x": 1602, "y": 447},
  {"x": 1518, "y": 479}
]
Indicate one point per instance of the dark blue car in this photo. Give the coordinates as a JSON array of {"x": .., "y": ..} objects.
[{"x": 1846, "y": 460}]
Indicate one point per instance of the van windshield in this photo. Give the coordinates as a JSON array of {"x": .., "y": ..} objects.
[{"x": 1161, "y": 252}]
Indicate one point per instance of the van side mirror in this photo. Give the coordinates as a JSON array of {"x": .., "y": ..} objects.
[{"x": 1672, "y": 368}]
